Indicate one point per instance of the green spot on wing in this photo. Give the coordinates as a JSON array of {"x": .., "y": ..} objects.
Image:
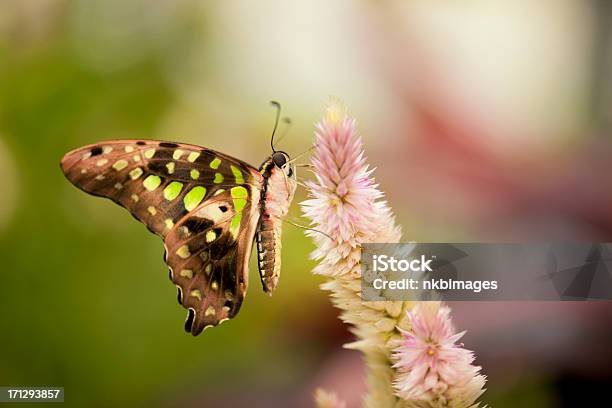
[
  {"x": 235, "y": 224},
  {"x": 218, "y": 178},
  {"x": 239, "y": 203},
  {"x": 194, "y": 197},
  {"x": 239, "y": 192},
  {"x": 215, "y": 163},
  {"x": 151, "y": 182},
  {"x": 239, "y": 196},
  {"x": 237, "y": 174},
  {"x": 172, "y": 190}
]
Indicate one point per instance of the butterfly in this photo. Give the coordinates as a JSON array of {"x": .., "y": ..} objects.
[{"x": 207, "y": 207}]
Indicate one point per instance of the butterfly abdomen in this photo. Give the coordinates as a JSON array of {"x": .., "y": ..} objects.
[
  {"x": 276, "y": 195},
  {"x": 268, "y": 252}
]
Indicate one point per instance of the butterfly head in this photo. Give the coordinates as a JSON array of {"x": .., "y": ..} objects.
[{"x": 281, "y": 162}]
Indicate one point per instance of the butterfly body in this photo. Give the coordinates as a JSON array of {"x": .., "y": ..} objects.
[
  {"x": 208, "y": 208},
  {"x": 273, "y": 207}
]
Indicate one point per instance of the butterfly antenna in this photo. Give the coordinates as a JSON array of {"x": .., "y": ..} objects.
[
  {"x": 277, "y": 106},
  {"x": 288, "y": 122},
  {"x": 301, "y": 154},
  {"x": 307, "y": 228}
]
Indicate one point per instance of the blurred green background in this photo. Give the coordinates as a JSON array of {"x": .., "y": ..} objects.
[{"x": 487, "y": 121}]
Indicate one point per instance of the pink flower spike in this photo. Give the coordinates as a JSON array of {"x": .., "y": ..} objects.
[
  {"x": 344, "y": 200},
  {"x": 345, "y": 203}
]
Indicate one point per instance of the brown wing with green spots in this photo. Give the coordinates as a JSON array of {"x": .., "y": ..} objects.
[
  {"x": 203, "y": 203},
  {"x": 208, "y": 254},
  {"x": 158, "y": 182}
]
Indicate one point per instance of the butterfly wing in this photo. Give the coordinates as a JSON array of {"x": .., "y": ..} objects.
[
  {"x": 176, "y": 190},
  {"x": 208, "y": 255},
  {"x": 158, "y": 182}
]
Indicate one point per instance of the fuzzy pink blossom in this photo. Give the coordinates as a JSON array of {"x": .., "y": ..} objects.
[
  {"x": 429, "y": 360},
  {"x": 345, "y": 202}
]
